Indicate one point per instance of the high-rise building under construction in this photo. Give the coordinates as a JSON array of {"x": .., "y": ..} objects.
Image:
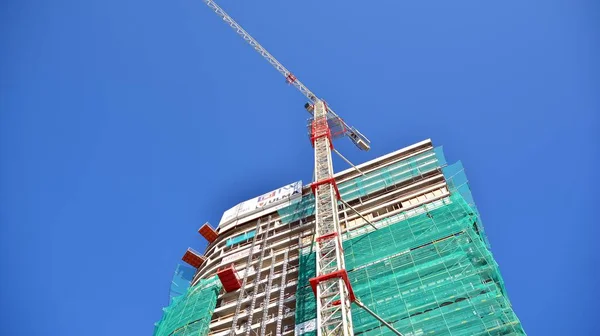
[{"x": 415, "y": 254}]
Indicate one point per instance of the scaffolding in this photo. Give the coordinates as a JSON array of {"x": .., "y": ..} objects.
[
  {"x": 190, "y": 314},
  {"x": 425, "y": 269},
  {"x": 181, "y": 281},
  {"x": 402, "y": 171},
  {"x": 255, "y": 287},
  {"x": 260, "y": 305},
  {"x": 427, "y": 274},
  {"x": 282, "y": 284},
  {"x": 243, "y": 293}
]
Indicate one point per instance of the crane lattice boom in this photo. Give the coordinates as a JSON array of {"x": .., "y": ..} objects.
[
  {"x": 262, "y": 51},
  {"x": 355, "y": 136}
]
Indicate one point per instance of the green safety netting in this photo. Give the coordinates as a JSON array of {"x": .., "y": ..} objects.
[
  {"x": 181, "y": 281},
  {"x": 371, "y": 182},
  {"x": 430, "y": 274},
  {"x": 428, "y": 271},
  {"x": 190, "y": 314},
  {"x": 439, "y": 154},
  {"x": 241, "y": 238},
  {"x": 388, "y": 176},
  {"x": 300, "y": 209},
  {"x": 306, "y": 306},
  {"x": 458, "y": 183}
]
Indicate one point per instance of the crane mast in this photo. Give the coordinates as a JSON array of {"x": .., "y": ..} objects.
[{"x": 331, "y": 285}]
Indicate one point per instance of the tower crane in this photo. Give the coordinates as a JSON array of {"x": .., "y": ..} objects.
[{"x": 331, "y": 285}]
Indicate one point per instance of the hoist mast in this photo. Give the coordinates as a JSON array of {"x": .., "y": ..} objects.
[{"x": 331, "y": 284}]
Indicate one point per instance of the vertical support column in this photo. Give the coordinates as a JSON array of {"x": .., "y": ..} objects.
[
  {"x": 281, "y": 294},
  {"x": 242, "y": 294},
  {"x": 265, "y": 237},
  {"x": 265, "y": 316},
  {"x": 331, "y": 286}
]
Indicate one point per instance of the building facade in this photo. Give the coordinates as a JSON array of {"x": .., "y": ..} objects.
[{"x": 414, "y": 246}]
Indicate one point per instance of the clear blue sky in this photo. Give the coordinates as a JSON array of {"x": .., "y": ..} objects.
[{"x": 127, "y": 124}]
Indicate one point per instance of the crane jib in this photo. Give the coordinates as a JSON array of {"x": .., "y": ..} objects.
[{"x": 356, "y": 137}]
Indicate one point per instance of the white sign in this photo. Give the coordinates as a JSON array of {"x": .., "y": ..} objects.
[
  {"x": 275, "y": 197},
  {"x": 305, "y": 327},
  {"x": 230, "y": 214}
]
